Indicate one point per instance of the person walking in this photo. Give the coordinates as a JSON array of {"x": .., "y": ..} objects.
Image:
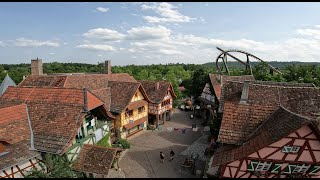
[
  {"x": 161, "y": 157},
  {"x": 171, "y": 155}
]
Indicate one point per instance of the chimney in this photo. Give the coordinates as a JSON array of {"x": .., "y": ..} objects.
[
  {"x": 245, "y": 93},
  {"x": 157, "y": 85},
  {"x": 108, "y": 66},
  {"x": 85, "y": 100},
  {"x": 36, "y": 67}
]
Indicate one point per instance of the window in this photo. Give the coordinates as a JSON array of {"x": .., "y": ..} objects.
[
  {"x": 301, "y": 168},
  {"x": 289, "y": 169},
  {"x": 314, "y": 170},
  {"x": 286, "y": 149},
  {"x": 276, "y": 168},
  {"x": 129, "y": 113},
  {"x": 141, "y": 109},
  {"x": 252, "y": 166},
  {"x": 263, "y": 166},
  {"x": 294, "y": 149},
  {"x": 290, "y": 149}
]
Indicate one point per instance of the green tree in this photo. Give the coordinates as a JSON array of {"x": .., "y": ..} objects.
[
  {"x": 199, "y": 78},
  {"x": 56, "y": 167}
]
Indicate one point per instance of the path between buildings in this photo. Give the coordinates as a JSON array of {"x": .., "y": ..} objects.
[{"x": 142, "y": 160}]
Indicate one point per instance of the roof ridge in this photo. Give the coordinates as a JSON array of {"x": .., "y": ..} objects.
[{"x": 45, "y": 87}]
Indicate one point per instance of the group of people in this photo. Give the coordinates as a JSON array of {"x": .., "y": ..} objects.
[{"x": 162, "y": 156}]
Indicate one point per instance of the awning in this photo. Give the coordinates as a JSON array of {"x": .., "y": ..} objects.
[{"x": 135, "y": 123}]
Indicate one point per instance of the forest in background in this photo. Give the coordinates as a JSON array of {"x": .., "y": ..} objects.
[{"x": 191, "y": 76}]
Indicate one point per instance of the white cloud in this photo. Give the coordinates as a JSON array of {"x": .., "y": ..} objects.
[
  {"x": 141, "y": 33},
  {"x": 167, "y": 12},
  {"x": 162, "y": 43},
  {"x": 2, "y": 43},
  {"x": 102, "y": 9},
  {"x": 51, "y": 53},
  {"x": 105, "y": 34},
  {"x": 99, "y": 47},
  {"x": 23, "y": 42},
  {"x": 99, "y": 55},
  {"x": 65, "y": 43},
  {"x": 169, "y": 52},
  {"x": 136, "y": 33},
  {"x": 310, "y": 32}
]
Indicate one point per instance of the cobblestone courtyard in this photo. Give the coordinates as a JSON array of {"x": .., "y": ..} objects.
[{"x": 142, "y": 160}]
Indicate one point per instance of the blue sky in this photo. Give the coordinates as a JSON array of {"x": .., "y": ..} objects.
[{"x": 153, "y": 33}]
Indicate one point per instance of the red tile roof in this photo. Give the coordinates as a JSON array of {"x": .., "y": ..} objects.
[
  {"x": 95, "y": 159},
  {"x": 43, "y": 81},
  {"x": 15, "y": 134},
  {"x": 14, "y": 126},
  {"x": 122, "y": 93},
  {"x": 55, "y": 114},
  {"x": 240, "y": 120},
  {"x": 281, "y": 123},
  {"x": 157, "y": 95},
  {"x": 18, "y": 153},
  {"x": 61, "y": 95},
  {"x": 79, "y": 81},
  {"x": 96, "y": 81},
  {"x": 216, "y": 83},
  {"x": 104, "y": 94}
]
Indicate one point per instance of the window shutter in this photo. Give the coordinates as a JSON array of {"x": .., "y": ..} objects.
[
  {"x": 252, "y": 166},
  {"x": 314, "y": 170},
  {"x": 276, "y": 168}
]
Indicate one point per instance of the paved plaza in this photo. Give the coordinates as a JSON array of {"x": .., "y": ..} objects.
[{"x": 142, "y": 160}]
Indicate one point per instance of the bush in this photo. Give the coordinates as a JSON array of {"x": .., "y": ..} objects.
[
  {"x": 104, "y": 141},
  {"x": 123, "y": 143}
]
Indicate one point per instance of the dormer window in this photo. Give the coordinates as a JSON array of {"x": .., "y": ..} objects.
[
  {"x": 263, "y": 166},
  {"x": 290, "y": 149},
  {"x": 301, "y": 168}
]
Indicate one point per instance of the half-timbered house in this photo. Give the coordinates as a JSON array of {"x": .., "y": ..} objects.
[
  {"x": 17, "y": 154},
  {"x": 62, "y": 119},
  {"x": 246, "y": 105},
  {"x": 161, "y": 95},
  {"x": 286, "y": 145},
  {"x": 211, "y": 94},
  {"x": 96, "y": 83},
  {"x": 129, "y": 104}
]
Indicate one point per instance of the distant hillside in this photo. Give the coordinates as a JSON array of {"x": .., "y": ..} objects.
[{"x": 277, "y": 64}]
